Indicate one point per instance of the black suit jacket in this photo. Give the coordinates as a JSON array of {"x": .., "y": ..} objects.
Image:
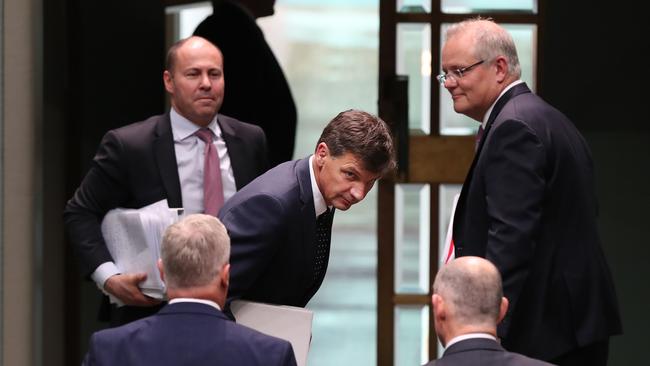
[
  {"x": 482, "y": 352},
  {"x": 190, "y": 334},
  {"x": 272, "y": 227},
  {"x": 135, "y": 166},
  {"x": 256, "y": 88},
  {"x": 528, "y": 205}
]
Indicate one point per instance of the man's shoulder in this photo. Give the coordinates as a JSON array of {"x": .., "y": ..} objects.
[
  {"x": 145, "y": 127},
  {"x": 238, "y": 126}
]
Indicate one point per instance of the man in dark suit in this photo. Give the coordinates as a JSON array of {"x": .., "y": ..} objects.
[
  {"x": 528, "y": 204},
  {"x": 258, "y": 91},
  {"x": 162, "y": 158},
  {"x": 280, "y": 223},
  {"x": 191, "y": 330},
  {"x": 468, "y": 304}
]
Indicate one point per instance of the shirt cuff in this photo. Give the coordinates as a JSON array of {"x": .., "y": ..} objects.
[{"x": 103, "y": 273}]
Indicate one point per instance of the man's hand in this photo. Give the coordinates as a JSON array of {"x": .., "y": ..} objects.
[{"x": 125, "y": 288}]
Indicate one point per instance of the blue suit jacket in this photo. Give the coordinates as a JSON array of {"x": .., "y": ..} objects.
[
  {"x": 482, "y": 352},
  {"x": 189, "y": 334},
  {"x": 272, "y": 227},
  {"x": 529, "y": 206}
]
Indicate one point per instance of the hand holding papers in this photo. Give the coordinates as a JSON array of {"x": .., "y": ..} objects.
[
  {"x": 133, "y": 238},
  {"x": 286, "y": 322}
]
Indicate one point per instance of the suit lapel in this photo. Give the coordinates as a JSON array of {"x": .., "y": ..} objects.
[
  {"x": 308, "y": 215},
  {"x": 236, "y": 148},
  {"x": 165, "y": 157},
  {"x": 498, "y": 106}
]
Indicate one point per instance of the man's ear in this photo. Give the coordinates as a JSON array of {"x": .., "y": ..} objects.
[
  {"x": 160, "y": 269},
  {"x": 322, "y": 151},
  {"x": 439, "y": 309},
  {"x": 501, "y": 63},
  {"x": 169, "y": 82},
  {"x": 503, "y": 309},
  {"x": 225, "y": 275}
]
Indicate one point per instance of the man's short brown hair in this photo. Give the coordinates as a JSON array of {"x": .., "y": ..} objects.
[{"x": 365, "y": 136}]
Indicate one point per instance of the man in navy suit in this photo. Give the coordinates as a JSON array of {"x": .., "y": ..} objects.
[
  {"x": 191, "y": 330},
  {"x": 161, "y": 158},
  {"x": 528, "y": 204},
  {"x": 468, "y": 304},
  {"x": 280, "y": 223}
]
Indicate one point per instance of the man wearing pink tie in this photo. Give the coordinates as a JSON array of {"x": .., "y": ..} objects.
[{"x": 192, "y": 156}]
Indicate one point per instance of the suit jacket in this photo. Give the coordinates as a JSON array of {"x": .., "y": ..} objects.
[
  {"x": 482, "y": 352},
  {"x": 135, "y": 165},
  {"x": 272, "y": 227},
  {"x": 189, "y": 334},
  {"x": 257, "y": 90},
  {"x": 528, "y": 205}
]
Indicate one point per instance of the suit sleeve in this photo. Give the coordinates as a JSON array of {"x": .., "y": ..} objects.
[
  {"x": 257, "y": 226},
  {"x": 515, "y": 186},
  {"x": 103, "y": 188}
]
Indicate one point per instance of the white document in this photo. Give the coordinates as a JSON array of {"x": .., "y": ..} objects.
[
  {"x": 133, "y": 237},
  {"x": 286, "y": 322},
  {"x": 448, "y": 252}
]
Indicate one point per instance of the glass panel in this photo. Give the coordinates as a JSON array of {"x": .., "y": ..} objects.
[
  {"x": 525, "y": 37},
  {"x": 414, "y": 6},
  {"x": 411, "y": 335},
  {"x": 447, "y": 195},
  {"x": 412, "y": 203},
  {"x": 185, "y": 18},
  {"x": 478, "y": 6},
  {"x": 414, "y": 60}
]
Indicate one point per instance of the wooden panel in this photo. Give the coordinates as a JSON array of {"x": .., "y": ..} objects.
[
  {"x": 411, "y": 299},
  {"x": 440, "y": 159}
]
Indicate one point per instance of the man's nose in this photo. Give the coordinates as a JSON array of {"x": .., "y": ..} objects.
[
  {"x": 205, "y": 81},
  {"x": 358, "y": 192}
]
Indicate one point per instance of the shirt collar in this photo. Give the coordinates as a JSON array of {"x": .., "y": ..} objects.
[
  {"x": 200, "y": 301},
  {"x": 487, "y": 114},
  {"x": 319, "y": 202},
  {"x": 183, "y": 128},
  {"x": 468, "y": 336}
]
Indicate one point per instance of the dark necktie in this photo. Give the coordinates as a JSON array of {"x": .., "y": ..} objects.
[
  {"x": 212, "y": 186},
  {"x": 323, "y": 235},
  {"x": 479, "y": 136}
]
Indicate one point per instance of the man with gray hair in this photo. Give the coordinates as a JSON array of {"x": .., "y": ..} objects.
[
  {"x": 191, "y": 329},
  {"x": 529, "y": 205},
  {"x": 467, "y": 304}
]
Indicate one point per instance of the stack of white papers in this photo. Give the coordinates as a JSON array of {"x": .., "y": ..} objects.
[
  {"x": 133, "y": 237},
  {"x": 286, "y": 322}
]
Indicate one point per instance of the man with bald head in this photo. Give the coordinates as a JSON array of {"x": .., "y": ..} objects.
[
  {"x": 170, "y": 157},
  {"x": 529, "y": 205},
  {"x": 468, "y": 304}
]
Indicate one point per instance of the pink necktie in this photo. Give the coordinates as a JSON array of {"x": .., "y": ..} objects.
[{"x": 212, "y": 187}]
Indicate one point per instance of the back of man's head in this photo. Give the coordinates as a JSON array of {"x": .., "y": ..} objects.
[
  {"x": 471, "y": 289},
  {"x": 194, "y": 251},
  {"x": 365, "y": 136}
]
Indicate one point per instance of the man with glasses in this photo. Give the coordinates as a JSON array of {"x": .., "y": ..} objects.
[{"x": 528, "y": 204}]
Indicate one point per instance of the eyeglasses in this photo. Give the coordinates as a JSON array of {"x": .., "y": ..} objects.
[{"x": 456, "y": 74}]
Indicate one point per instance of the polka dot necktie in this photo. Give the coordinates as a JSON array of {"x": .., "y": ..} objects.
[{"x": 323, "y": 234}]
